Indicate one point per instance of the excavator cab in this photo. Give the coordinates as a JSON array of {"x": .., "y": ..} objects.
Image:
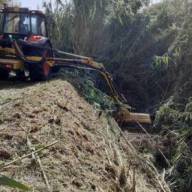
[
  {"x": 22, "y": 23},
  {"x": 26, "y": 28}
]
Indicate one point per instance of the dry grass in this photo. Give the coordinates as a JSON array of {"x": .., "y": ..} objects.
[{"x": 91, "y": 155}]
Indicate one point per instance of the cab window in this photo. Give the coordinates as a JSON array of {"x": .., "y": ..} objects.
[
  {"x": 38, "y": 25},
  {"x": 17, "y": 23}
]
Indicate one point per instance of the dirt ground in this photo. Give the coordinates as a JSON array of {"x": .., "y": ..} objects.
[{"x": 90, "y": 153}]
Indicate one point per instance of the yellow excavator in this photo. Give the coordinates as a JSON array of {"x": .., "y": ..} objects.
[{"x": 26, "y": 47}]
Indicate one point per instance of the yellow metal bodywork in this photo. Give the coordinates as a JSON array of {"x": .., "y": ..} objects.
[
  {"x": 8, "y": 50},
  {"x": 123, "y": 115},
  {"x": 34, "y": 58},
  {"x": 16, "y": 64},
  {"x": 38, "y": 59}
]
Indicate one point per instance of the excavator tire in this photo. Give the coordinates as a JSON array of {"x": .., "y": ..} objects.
[
  {"x": 4, "y": 74},
  {"x": 20, "y": 75},
  {"x": 40, "y": 71}
]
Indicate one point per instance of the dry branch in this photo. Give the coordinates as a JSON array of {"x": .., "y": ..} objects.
[
  {"x": 37, "y": 158},
  {"x": 4, "y": 165},
  {"x": 152, "y": 141},
  {"x": 146, "y": 164}
]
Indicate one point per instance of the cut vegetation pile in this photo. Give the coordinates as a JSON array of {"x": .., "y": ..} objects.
[{"x": 53, "y": 140}]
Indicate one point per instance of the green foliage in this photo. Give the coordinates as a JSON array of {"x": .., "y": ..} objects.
[
  {"x": 74, "y": 25},
  {"x": 84, "y": 83},
  {"x": 60, "y": 24},
  {"x": 5, "y": 181},
  {"x": 188, "y": 107},
  {"x": 171, "y": 118},
  {"x": 159, "y": 61}
]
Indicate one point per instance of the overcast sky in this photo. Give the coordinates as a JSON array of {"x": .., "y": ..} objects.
[{"x": 33, "y": 4}]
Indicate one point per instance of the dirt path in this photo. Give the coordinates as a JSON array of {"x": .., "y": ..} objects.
[{"x": 90, "y": 154}]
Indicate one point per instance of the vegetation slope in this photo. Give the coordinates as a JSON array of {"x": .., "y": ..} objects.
[
  {"x": 79, "y": 148},
  {"x": 147, "y": 48}
]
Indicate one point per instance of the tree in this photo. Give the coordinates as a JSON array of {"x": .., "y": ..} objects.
[{"x": 89, "y": 18}]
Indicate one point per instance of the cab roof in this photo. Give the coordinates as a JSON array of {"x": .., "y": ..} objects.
[{"x": 21, "y": 10}]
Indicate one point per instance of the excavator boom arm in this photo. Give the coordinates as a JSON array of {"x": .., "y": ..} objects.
[{"x": 88, "y": 63}]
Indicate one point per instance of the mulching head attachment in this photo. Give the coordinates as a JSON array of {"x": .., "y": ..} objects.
[{"x": 123, "y": 116}]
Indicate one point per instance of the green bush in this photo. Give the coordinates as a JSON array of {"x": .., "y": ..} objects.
[{"x": 84, "y": 82}]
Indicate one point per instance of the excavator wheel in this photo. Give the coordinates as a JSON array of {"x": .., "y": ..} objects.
[
  {"x": 40, "y": 71},
  {"x": 4, "y": 74},
  {"x": 20, "y": 75}
]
